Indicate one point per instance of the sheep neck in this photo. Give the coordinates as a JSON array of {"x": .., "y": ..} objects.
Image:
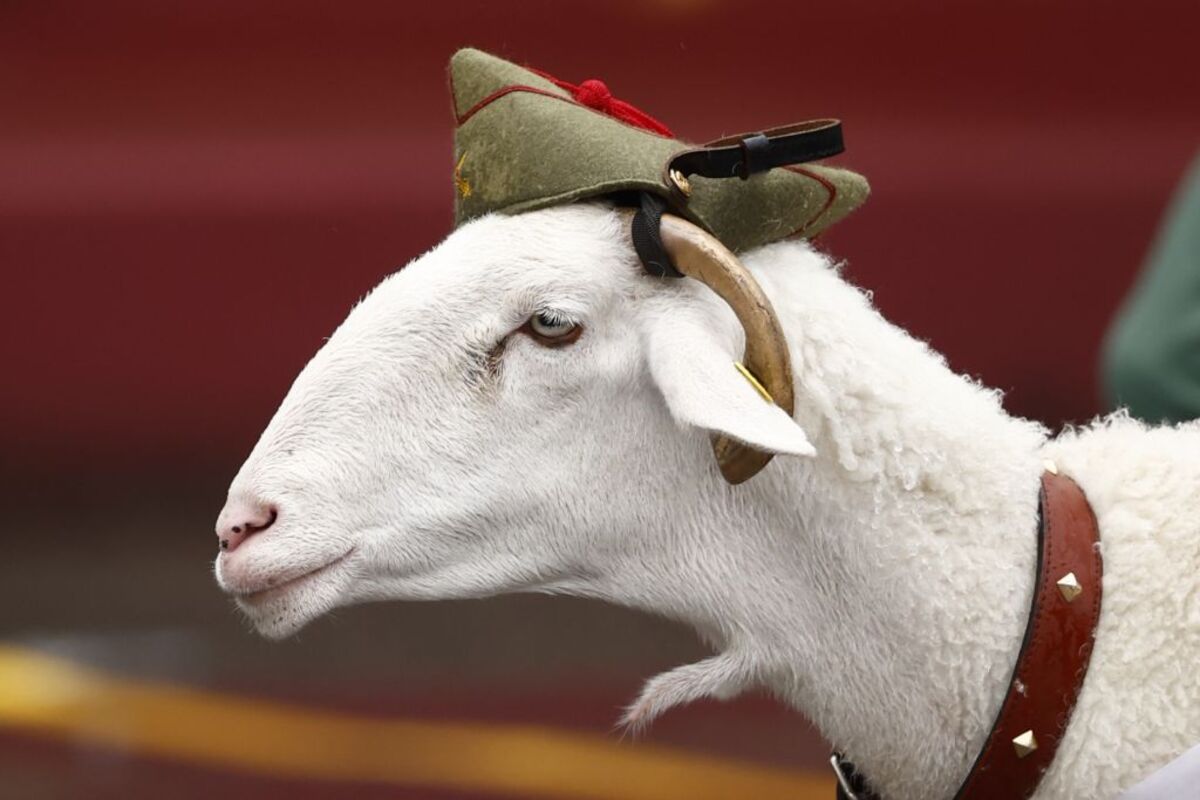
[{"x": 881, "y": 587}]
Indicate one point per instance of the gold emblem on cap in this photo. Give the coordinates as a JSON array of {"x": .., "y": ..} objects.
[
  {"x": 1068, "y": 586},
  {"x": 461, "y": 183},
  {"x": 681, "y": 182},
  {"x": 1024, "y": 744}
]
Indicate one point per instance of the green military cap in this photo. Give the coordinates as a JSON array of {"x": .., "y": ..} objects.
[{"x": 526, "y": 140}]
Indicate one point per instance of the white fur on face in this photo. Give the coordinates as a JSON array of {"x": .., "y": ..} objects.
[{"x": 430, "y": 450}]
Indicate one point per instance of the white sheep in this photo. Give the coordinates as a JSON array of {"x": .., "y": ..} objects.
[{"x": 523, "y": 409}]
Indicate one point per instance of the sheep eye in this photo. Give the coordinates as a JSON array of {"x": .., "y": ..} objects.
[{"x": 551, "y": 329}]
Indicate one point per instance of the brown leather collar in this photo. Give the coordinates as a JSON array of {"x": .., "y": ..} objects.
[{"x": 1053, "y": 659}]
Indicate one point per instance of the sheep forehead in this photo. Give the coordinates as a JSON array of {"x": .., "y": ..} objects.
[
  {"x": 572, "y": 254},
  {"x": 464, "y": 295}
]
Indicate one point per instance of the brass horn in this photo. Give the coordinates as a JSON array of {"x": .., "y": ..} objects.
[{"x": 698, "y": 254}]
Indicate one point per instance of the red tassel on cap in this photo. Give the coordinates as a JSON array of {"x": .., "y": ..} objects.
[{"x": 595, "y": 94}]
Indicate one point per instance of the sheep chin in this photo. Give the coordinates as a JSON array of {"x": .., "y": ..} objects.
[
  {"x": 278, "y": 628},
  {"x": 279, "y": 612}
]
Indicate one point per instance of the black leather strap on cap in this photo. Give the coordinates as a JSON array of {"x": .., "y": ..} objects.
[
  {"x": 756, "y": 154},
  {"x": 733, "y": 157},
  {"x": 748, "y": 154}
]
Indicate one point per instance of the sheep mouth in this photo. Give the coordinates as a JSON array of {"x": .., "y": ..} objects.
[{"x": 270, "y": 592}]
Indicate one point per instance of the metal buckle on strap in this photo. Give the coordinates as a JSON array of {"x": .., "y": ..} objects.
[{"x": 847, "y": 790}]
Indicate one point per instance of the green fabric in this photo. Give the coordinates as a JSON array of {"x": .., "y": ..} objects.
[
  {"x": 474, "y": 75},
  {"x": 1152, "y": 356},
  {"x": 521, "y": 151}
]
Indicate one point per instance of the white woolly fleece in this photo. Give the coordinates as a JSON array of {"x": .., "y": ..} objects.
[{"x": 878, "y": 580}]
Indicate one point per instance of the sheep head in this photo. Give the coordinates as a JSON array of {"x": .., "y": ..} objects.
[{"x": 504, "y": 414}]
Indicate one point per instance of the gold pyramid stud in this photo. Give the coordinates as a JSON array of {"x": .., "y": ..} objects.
[
  {"x": 1024, "y": 744},
  {"x": 1069, "y": 586},
  {"x": 1050, "y": 466}
]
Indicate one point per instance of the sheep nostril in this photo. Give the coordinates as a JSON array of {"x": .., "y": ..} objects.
[
  {"x": 251, "y": 518},
  {"x": 252, "y": 527}
]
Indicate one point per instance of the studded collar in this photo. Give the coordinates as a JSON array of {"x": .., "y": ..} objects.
[{"x": 1052, "y": 662}]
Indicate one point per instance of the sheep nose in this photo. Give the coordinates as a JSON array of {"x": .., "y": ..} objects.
[{"x": 241, "y": 519}]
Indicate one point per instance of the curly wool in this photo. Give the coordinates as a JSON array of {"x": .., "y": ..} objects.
[
  {"x": 924, "y": 537},
  {"x": 898, "y": 562}
]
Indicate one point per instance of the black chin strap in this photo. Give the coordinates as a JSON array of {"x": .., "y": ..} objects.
[{"x": 647, "y": 238}]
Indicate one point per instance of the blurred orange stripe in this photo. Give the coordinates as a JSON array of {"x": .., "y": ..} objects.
[{"x": 57, "y": 698}]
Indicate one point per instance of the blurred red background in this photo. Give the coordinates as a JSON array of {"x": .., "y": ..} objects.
[{"x": 193, "y": 194}]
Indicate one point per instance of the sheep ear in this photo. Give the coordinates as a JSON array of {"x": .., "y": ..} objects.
[{"x": 702, "y": 386}]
